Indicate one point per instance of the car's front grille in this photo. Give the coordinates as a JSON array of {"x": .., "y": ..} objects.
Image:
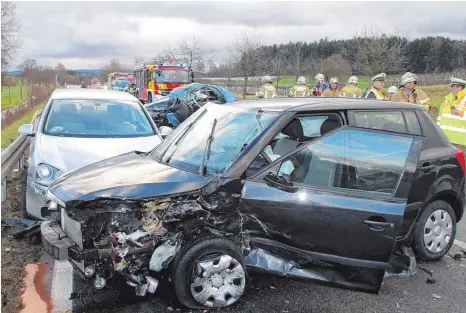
[{"x": 71, "y": 228}]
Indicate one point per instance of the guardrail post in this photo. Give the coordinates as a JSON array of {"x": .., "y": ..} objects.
[
  {"x": 3, "y": 189},
  {"x": 21, "y": 163}
]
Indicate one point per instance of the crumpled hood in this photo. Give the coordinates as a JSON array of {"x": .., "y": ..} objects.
[
  {"x": 70, "y": 153},
  {"x": 128, "y": 176}
]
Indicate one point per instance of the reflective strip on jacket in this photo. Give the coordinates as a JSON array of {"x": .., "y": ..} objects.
[
  {"x": 374, "y": 93},
  {"x": 299, "y": 91},
  {"x": 351, "y": 92},
  {"x": 267, "y": 91}
]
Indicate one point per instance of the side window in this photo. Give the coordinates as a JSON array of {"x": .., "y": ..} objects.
[
  {"x": 300, "y": 130},
  {"x": 350, "y": 159},
  {"x": 413, "y": 124},
  {"x": 385, "y": 120}
]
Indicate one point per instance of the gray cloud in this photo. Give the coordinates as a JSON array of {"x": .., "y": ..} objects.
[{"x": 91, "y": 33}]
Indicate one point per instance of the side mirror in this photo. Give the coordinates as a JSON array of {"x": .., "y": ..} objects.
[
  {"x": 27, "y": 130},
  {"x": 282, "y": 182},
  {"x": 165, "y": 131}
]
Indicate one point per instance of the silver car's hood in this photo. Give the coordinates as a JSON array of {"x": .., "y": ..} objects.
[{"x": 70, "y": 153}]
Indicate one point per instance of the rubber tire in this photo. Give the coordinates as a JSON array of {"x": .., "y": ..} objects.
[
  {"x": 187, "y": 255},
  {"x": 22, "y": 206},
  {"x": 419, "y": 247}
]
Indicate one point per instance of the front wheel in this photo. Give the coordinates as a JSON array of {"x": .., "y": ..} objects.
[
  {"x": 435, "y": 231},
  {"x": 209, "y": 273}
]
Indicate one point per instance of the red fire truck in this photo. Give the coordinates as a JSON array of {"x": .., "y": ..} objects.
[{"x": 159, "y": 79}]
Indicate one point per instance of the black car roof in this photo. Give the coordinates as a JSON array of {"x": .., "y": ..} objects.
[{"x": 322, "y": 103}]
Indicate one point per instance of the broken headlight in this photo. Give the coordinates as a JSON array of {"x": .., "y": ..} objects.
[{"x": 54, "y": 201}]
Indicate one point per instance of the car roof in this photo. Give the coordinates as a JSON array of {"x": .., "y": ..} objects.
[
  {"x": 87, "y": 93},
  {"x": 322, "y": 103}
]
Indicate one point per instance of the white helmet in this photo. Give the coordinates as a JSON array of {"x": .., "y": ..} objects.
[
  {"x": 320, "y": 77},
  {"x": 408, "y": 77},
  {"x": 333, "y": 80},
  {"x": 301, "y": 80},
  {"x": 353, "y": 80},
  {"x": 392, "y": 89},
  {"x": 266, "y": 79}
]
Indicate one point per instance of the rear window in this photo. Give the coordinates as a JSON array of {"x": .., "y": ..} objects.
[{"x": 387, "y": 120}]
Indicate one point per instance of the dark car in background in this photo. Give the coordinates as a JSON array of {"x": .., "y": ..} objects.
[
  {"x": 191, "y": 98},
  {"x": 320, "y": 189}
]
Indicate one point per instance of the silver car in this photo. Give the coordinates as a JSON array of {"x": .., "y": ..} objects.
[{"x": 79, "y": 127}]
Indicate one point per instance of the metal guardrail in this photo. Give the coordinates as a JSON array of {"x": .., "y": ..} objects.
[{"x": 14, "y": 154}]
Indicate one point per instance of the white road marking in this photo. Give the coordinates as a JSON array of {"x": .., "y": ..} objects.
[
  {"x": 460, "y": 244},
  {"x": 62, "y": 286}
]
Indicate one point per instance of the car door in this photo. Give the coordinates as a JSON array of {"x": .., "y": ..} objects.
[{"x": 339, "y": 198}]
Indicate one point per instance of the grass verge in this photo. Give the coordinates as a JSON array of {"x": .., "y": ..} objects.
[
  {"x": 13, "y": 95},
  {"x": 11, "y": 132}
]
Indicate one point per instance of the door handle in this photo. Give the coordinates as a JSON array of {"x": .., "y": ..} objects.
[
  {"x": 427, "y": 166},
  {"x": 378, "y": 226}
]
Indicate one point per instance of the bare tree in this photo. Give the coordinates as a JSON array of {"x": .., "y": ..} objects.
[
  {"x": 278, "y": 65},
  {"x": 138, "y": 60},
  {"x": 297, "y": 64},
  {"x": 336, "y": 66},
  {"x": 170, "y": 53},
  {"x": 191, "y": 52},
  {"x": 11, "y": 27},
  {"x": 246, "y": 57}
]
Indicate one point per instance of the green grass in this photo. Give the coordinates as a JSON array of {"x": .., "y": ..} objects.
[
  {"x": 11, "y": 132},
  {"x": 11, "y": 95}
]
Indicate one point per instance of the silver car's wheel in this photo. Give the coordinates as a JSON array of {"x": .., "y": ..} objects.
[
  {"x": 438, "y": 231},
  {"x": 217, "y": 281}
]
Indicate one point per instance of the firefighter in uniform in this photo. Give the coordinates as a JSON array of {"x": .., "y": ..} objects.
[
  {"x": 408, "y": 93},
  {"x": 300, "y": 89},
  {"x": 267, "y": 90},
  {"x": 332, "y": 91},
  {"x": 390, "y": 92},
  {"x": 320, "y": 85},
  {"x": 351, "y": 90},
  {"x": 376, "y": 91}
]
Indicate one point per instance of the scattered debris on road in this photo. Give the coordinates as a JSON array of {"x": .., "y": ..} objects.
[
  {"x": 430, "y": 281},
  {"x": 435, "y": 296}
]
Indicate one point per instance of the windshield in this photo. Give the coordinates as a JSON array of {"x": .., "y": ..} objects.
[
  {"x": 234, "y": 129},
  {"x": 171, "y": 76},
  {"x": 121, "y": 83},
  {"x": 97, "y": 118}
]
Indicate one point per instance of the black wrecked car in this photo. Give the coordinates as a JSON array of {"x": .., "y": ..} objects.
[{"x": 321, "y": 189}]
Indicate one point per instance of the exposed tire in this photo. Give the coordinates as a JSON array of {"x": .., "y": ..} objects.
[
  {"x": 23, "y": 207},
  {"x": 185, "y": 269},
  {"x": 435, "y": 231}
]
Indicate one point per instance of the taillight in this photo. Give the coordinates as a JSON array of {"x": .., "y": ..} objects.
[{"x": 460, "y": 157}]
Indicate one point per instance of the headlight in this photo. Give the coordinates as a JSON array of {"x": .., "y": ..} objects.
[{"x": 47, "y": 173}]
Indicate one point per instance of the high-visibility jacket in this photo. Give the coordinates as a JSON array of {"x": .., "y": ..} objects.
[
  {"x": 299, "y": 91},
  {"x": 267, "y": 91},
  {"x": 418, "y": 96},
  {"x": 454, "y": 126},
  {"x": 351, "y": 91},
  {"x": 448, "y": 102},
  {"x": 331, "y": 93},
  {"x": 375, "y": 93}
]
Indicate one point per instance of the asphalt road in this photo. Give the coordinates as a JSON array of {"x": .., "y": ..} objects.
[
  {"x": 275, "y": 294},
  {"x": 461, "y": 230}
]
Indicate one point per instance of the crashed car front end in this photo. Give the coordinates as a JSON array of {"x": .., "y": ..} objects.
[{"x": 136, "y": 240}]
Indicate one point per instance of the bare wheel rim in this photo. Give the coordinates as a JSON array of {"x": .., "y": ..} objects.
[
  {"x": 437, "y": 231},
  {"x": 217, "y": 281}
]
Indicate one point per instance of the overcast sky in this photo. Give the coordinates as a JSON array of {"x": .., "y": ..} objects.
[{"x": 89, "y": 34}]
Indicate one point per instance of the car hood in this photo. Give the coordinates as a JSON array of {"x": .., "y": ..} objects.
[
  {"x": 128, "y": 176},
  {"x": 69, "y": 153}
]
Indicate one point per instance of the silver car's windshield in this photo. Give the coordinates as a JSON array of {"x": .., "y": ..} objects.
[
  {"x": 234, "y": 129},
  {"x": 97, "y": 118}
]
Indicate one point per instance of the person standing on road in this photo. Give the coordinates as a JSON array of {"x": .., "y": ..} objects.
[
  {"x": 376, "y": 90},
  {"x": 456, "y": 92},
  {"x": 267, "y": 89},
  {"x": 351, "y": 90},
  {"x": 332, "y": 91},
  {"x": 320, "y": 85},
  {"x": 300, "y": 89},
  {"x": 408, "y": 93}
]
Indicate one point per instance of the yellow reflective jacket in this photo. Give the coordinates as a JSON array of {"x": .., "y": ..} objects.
[
  {"x": 375, "y": 93},
  {"x": 299, "y": 91},
  {"x": 267, "y": 91},
  {"x": 351, "y": 91}
]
